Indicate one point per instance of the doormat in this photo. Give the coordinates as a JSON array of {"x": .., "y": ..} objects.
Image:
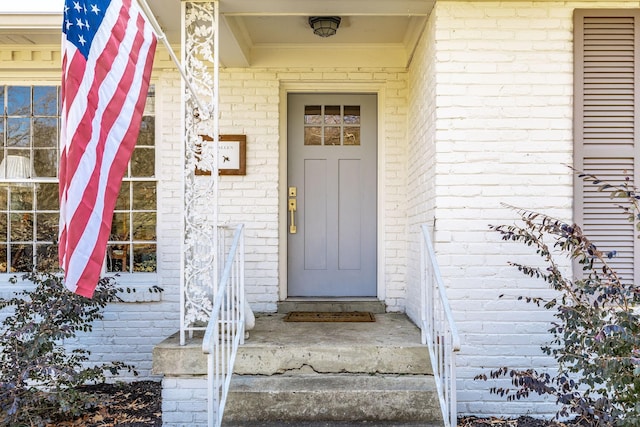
[{"x": 328, "y": 316}]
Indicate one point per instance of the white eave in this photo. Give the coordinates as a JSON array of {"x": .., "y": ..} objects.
[{"x": 260, "y": 33}]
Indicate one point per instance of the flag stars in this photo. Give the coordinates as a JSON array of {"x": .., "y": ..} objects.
[
  {"x": 68, "y": 24},
  {"x": 81, "y": 40},
  {"x": 76, "y": 6},
  {"x": 79, "y": 23},
  {"x": 95, "y": 9}
]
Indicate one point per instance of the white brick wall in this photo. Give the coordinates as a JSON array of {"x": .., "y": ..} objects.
[
  {"x": 503, "y": 134},
  {"x": 250, "y": 105},
  {"x": 184, "y": 402},
  {"x": 421, "y": 159}
]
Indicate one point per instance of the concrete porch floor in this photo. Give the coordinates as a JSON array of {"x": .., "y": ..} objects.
[
  {"x": 394, "y": 329},
  {"x": 360, "y": 340}
]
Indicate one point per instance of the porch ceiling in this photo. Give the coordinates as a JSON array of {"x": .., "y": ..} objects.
[{"x": 274, "y": 33}]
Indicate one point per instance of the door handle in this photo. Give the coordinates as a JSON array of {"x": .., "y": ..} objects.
[{"x": 293, "y": 207}]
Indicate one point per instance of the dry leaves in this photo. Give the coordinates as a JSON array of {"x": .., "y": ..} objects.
[
  {"x": 137, "y": 404},
  {"x": 523, "y": 421}
]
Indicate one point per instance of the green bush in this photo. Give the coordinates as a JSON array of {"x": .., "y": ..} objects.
[
  {"x": 595, "y": 336},
  {"x": 39, "y": 377}
]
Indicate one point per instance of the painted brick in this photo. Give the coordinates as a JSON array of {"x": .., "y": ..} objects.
[
  {"x": 481, "y": 117},
  {"x": 503, "y": 114}
]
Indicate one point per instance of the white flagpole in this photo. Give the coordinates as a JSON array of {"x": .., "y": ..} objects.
[{"x": 204, "y": 112}]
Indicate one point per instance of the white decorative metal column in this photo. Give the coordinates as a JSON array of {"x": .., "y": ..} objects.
[{"x": 200, "y": 248}]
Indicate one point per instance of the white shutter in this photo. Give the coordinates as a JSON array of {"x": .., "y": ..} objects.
[{"x": 606, "y": 127}]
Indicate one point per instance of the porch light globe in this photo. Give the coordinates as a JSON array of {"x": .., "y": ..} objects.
[{"x": 324, "y": 26}]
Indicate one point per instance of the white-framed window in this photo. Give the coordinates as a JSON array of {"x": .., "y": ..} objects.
[{"x": 29, "y": 208}]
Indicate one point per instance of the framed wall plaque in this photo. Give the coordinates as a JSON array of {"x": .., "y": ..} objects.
[{"x": 232, "y": 155}]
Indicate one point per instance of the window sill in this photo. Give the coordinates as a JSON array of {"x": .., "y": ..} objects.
[
  {"x": 138, "y": 287},
  {"x": 137, "y": 294}
]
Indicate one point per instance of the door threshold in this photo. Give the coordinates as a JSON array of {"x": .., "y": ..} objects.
[
  {"x": 337, "y": 304},
  {"x": 331, "y": 299}
]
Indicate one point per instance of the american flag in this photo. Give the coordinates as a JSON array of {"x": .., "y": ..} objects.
[{"x": 107, "y": 55}]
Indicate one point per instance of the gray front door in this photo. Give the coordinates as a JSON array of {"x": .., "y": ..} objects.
[{"x": 332, "y": 182}]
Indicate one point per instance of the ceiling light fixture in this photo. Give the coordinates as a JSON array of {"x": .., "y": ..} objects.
[{"x": 324, "y": 26}]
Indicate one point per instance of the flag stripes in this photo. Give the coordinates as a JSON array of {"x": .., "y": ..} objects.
[{"x": 107, "y": 65}]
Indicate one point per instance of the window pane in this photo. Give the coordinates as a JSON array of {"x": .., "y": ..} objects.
[
  {"x": 21, "y": 258},
  {"x": 312, "y": 115},
  {"x": 313, "y": 135},
  {"x": 122, "y": 203},
  {"x": 143, "y": 162},
  {"x": 120, "y": 226},
  {"x": 117, "y": 258},
  {"x": 21, "y": 197},
  {"x": 45, "y": 132},
  {"x": 45, "y": 101},
  {"x": 19, "y": 101},
  {"x": 47, "y": 257},
  {"x": 22, "y": 227},
  {"x": 332, "y": 135},
  {"x": 144, "y": 195},
  {"x": 144, "y": 258},
  {"x": 150, "y": 103},
  {"x": 147, "y": 136},
  {"x": 3, "y": 258},
  {"x": 4, "y": 221},
  {"x": 45, "y": 162},
  {"x": 352, "y": 114},
  {"x": 18, "y": 132},
  {"x": 47, "y": 196},
  {"x": 47, "y": 227},
  {"x": 16, "y": 165},
  {"x": 351, "y": 136},
  {"x": 4, "y": 198},
  {"x": 332, "y": 115},
  {"x": 144, "y": 226}
]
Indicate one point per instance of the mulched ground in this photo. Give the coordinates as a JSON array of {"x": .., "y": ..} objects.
[
  {"x": 518, "y": 422},
  {"x": 138, "y": 404}
]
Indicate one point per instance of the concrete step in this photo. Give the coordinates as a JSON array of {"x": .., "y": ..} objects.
[
  {"x": 390, "y": 345},
  {"x": 338, "y": 398},
  {"x": 333, "y": 305},
  {"x": 329, "y": 424},
  {"x": 323, "y": 374}
]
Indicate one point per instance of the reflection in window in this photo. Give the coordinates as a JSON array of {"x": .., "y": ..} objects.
[
  {"x": 332, "y": 125},
  {"x": 312, "y": 114},
  {"x": 132, "y": 244},
  {"x": 29, "y": 209}
]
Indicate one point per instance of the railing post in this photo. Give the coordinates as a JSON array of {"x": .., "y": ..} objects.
[
  {"x": 225, "y": 329},
  {"x": 438, "y": 329}
]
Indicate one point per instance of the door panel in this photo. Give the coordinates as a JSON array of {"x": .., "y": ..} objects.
[{"x": 332, "y": 158}]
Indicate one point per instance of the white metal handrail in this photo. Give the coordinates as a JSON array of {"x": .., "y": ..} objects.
[
  {"x": 438, "y": 329},
  {"x": 225, "y": 330}
]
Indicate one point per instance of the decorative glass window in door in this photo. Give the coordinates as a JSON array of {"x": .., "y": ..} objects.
[{"x": 332, "y": 125}]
